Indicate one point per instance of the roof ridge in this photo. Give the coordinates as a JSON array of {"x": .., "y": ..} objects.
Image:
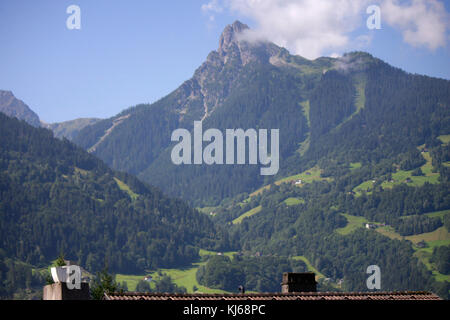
[{"x": 328, "y": 293}]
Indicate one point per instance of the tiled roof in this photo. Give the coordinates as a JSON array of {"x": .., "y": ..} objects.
[{"x": 420, "y": 295}]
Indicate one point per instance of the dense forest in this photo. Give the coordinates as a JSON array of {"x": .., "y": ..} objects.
[
  {"x": 55, "y": 197},
  {"x": 260, "y": 274}
]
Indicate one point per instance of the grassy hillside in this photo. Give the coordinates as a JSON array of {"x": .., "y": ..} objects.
[
  {"x": 307, "y": 176},
  {"x": 353, "y": 223},
  {"x": 402, "y": 176},
  {"x": 185, "y": 277},
  {"x": 247, "y": 214}
]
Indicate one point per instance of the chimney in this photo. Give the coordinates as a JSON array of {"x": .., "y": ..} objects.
[
  {"x": 298, "y": 282},
  {"x": 60, "y": 291},
  {"x": 68, "y": 285}
]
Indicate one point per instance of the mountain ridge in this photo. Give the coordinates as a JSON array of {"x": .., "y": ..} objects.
[{"x": 14, "y": 107}]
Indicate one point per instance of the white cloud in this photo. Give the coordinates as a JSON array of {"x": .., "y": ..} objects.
[
  {"x": 212, "y": 6},
  {"x": 422, "y": 22},
  {"x": 306, "y": 27},
  {"x": 312, "y": 28}
]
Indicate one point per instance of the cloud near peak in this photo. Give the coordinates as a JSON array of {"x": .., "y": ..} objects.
[
  {"x": 313, "y": 28},
  {"x": 422, "y": 22}
]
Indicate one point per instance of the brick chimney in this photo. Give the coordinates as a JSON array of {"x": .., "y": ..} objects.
[{"x": 299, "y": 282}]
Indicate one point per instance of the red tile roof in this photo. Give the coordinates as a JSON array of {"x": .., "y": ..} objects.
[{"x": 420, "y": 295}]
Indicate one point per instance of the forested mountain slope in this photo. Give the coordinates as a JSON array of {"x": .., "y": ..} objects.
[
  {"x": 56, "y": 198},
  {"x": 354, "y": 109}
]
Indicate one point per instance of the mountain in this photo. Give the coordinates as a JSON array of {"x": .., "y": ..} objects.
[
  {"x": 57, "y": 198},
  {"x": 14, "y": 107},
  {"x": 364, "y": 177},
  {"x": 138, "y": 139},
  {"x": 364, "y": 161},
  {"x": 356, "y": 103},
  {"x": 70, "y": 129}
]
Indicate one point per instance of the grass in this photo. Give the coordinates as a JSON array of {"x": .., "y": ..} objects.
[
  {"x": 445, "y": 138},
  {"x": 438, "y": 237},
  {"x": 424, "y": 257},
  {"x": 307, "y": 176},
  {"x": 81, "y": 171},
  {"x": 131, "y": 280},
  {"x": 204, "y": 252},
  {"x": 247, "y": 214},
  {"x": 293, "y": 201},
  {"x": 310, "y": 267},
  {"x": 366, "y": 186},
  {"x": 389, "y": 232},
  {"x": 207, "y": 210},
  {"x": 185, "y": 277},
  {"x": 360, "y": 99},
  {"x": 355, "y": 165},
  {"x": 401, "y": 176},
  {"x": 126, "y": 188},
  {"x": 304, "y": 146},
  {"x": 306, "y": 107},
  {"x": 353, "y": 223},
  {"x": 439, "y": 214}
]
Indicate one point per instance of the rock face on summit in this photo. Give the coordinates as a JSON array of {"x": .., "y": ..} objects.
[
  {"x": 13, "y": 107},
  {"x": 222, "y": 66}
]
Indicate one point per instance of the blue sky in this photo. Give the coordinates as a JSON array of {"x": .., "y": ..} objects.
[{"x": 137, "y": 51}]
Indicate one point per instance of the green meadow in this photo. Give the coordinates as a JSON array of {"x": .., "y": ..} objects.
[
  {"x": 247, "y": 214},
  {"x": 293, "y": 201},
  {"x": 310, "y": 267},
  {"x": 185, "y": 277},
  {"x": 126, "y": 188},
  {"x": 402, "y": 176},
  {"x": 353, "y": 223}
]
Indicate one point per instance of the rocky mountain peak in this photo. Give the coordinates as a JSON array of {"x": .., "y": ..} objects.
[
  {"x": 13, "y": 107},
  {"x": 230, "y": 35}
]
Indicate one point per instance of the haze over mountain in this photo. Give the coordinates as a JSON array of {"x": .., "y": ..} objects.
[{"x": 70, "y": 129}]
